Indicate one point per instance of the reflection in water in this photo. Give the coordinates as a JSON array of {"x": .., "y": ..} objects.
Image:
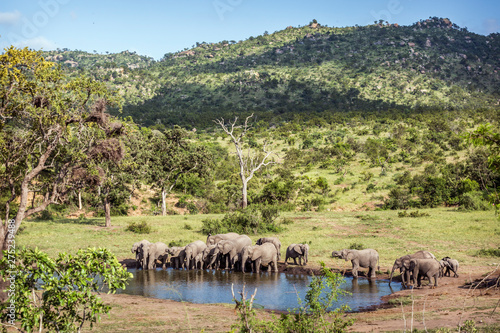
[{"x": 274, "y": 291}]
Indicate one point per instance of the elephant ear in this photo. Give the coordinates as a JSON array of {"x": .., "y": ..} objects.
[
  {"x": 350, "y": 256},
  {"x": 297, "y": 248}
]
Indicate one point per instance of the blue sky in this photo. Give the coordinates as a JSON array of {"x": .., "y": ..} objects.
[{"x": 156, "y": 27}]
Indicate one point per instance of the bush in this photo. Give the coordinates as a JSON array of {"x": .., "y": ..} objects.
[
  {"x": 253, "y": 219},
  {"x": 489, "y": 252},
  {"x": 139, "y": 227},
  {"x": 472, "y": 201},
  {"x": 356, "y": 246},
  {"x": 60, "y": 294}
]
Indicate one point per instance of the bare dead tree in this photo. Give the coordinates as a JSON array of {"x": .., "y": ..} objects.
[{"x": 250, "y": 162}]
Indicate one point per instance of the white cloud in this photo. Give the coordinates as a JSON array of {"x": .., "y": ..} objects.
[
  {"x": 10, "y": 18},
  {"x": 37, "y": 43},
  {"x": 490, "y": 26}
]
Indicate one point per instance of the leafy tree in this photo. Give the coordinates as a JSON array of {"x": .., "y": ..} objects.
[
  {"x": 42, "y": 116},
  {"x": 249, "y": 163},
  {"x": 58, "y": 295},
  {"x": 173, "y": 155},
  {"x": 485, "y": 135}
]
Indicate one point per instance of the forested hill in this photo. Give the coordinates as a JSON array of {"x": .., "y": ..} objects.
[{"x": 432, "y": 65}]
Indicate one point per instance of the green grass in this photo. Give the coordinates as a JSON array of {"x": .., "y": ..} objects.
[{"x": 445, "y": 232}]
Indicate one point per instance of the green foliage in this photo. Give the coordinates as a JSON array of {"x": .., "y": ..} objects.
[
  {"x": 252, "y": 220},
  {"x": 59, "y": 295},
  {"x": 314, "y": 314},
  {"x": 139, "y": 227},
  {"x": 398, "y": 301},
  {"x": 489, "y": 252},
  {"x": 356, "y": 246},
  {"x": 412, "y": 214}
]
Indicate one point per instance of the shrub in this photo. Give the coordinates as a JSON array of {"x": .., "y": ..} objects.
[
  {"x": 253, "y": 219},
  {"x": 356, "y": 246},
  {"x": 62, "y": 294},
  {"x": 472, "y": 201},
  {"x": 489, "y": 252},
  {"x": 139, "y": 227}
]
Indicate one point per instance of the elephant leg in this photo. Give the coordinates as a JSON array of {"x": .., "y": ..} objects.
[{"x": 257, "y": 265}]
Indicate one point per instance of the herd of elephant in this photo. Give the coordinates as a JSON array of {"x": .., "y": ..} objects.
[
  {"x": 233, "y": 251},
  {"x": 411, "y": 266},
  {"x": 230, "y": 251}
]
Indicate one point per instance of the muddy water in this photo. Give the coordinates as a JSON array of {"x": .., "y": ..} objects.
[{"x": 276, "y": 291}]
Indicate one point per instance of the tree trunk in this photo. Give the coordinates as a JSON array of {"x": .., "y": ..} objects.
[
  {"x": 244, "y": 199},
  {"x": 107, "y": 212},
  {"x": 80, "y": 200},
  {"x": 163, "y": 203}
]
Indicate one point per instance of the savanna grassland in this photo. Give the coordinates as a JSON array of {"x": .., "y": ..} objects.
[{"x": 382, "y": 137}]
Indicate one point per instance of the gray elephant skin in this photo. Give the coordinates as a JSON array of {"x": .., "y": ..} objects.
[
  {"x": 265, "y": 255},
  {"x": 424, "y": 268},
  {"x": 398, "y": 263},
  {"x": 300, "y": 251},
  {"x": 156, "y": 251},
  {"x": 231, "y": 248},
  {"x": 367, "y": 258},
  {"x": 192, "y": 250},
  {"x": 214, "y": 239},
  {"x": 140, "y": 257},
  {"x": 273, "y": 240},
  {"x": 209, "y": 257},
  {"x": 178, "y": 255},
  {"x": 449, "y": 265}
]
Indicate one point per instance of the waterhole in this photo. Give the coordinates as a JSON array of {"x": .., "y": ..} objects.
[{"x": 275, "y": 291}]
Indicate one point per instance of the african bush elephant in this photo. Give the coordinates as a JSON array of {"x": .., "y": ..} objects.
[
  {"x": 424, "y": 267},
  {"x": 295, "y": 251},
  {"x": 156, "y": 251},
  {"x": 265, "y": 254},
  {"x": 449, "y": 265},
  {"x": 367, "y": 258},
  {"x": 232, "y": 248},
  {"x": 178, "y": 254},
  {"x": 214, "y": 239},
  {"x": 209, "y": 258},
  {"x": 138, "y": 249},
  {"x": 192, "y": 250},
  {"x": 398, "y": 263},
  {"x": 274, "y": 240}
]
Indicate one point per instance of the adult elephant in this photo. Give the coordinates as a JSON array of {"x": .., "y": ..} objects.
[
  {"x": 367, "y": 258},
  {"x": 295, "y": 251},
  {"x": 398, "y": 263},
  {"x": 140, "y": 258},
  {"x": 214, "y": 239},
  {"x": 192, "y": 250},
  {"x": 424, "y": 267},
  {"x": 209, "y": 257},
  {"x": 231, "y": 248},
  {"x": 265, "y": 255},
  {"x": 273, "y": 240},
  {"x": 156, "y": 251},
  {"x": 178, "y": 254}
]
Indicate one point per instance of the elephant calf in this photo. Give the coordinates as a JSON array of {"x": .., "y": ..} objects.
[
  {"x": 274, "y": 240},
  {"x": 367, "y": 258},
  {"x": 295, "y": 251},
  {"x": 448, "y": 265}
]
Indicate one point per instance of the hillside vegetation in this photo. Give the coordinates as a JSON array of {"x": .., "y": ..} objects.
[{"x": 432, "y": 65}]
